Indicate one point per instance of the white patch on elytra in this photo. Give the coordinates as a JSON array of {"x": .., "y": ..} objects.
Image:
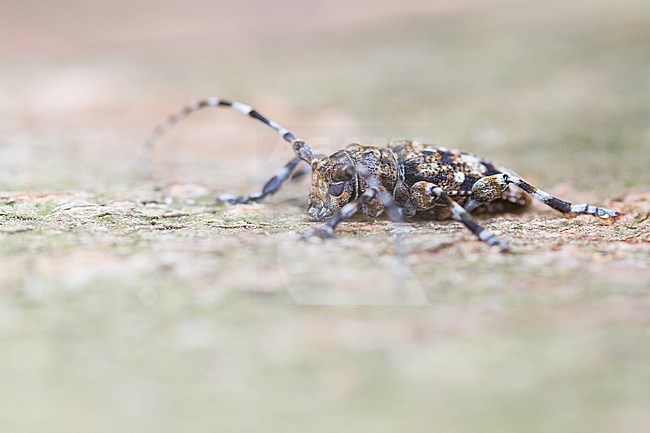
[
  {"x": 459, "y": 177},
  {"x": 474, "y": 162}
]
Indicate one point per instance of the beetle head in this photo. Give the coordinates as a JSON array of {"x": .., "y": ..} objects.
[{"x": 332, "y": 185}]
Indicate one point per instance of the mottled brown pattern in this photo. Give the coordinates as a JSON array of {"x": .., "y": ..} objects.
[
  {"x": 452, "y": 170},
  {"x": 322, "y": 204},
  {"x": 399, "y": 167},
  {"x": 380, "y": 163}
]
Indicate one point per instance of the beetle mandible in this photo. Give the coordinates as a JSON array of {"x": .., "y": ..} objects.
[{"x": 403, "y": 179}]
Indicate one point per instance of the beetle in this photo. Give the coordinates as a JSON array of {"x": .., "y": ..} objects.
[{"x": 404, "y": 179}]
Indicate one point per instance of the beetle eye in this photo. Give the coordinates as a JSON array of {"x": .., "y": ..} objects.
[{"x": 337, "y": 188}]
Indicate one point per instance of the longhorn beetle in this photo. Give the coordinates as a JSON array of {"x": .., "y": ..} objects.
[{"x": 404, "y": 178}]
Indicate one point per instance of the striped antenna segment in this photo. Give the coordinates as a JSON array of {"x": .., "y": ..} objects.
[{"x": 158, "y": 132}]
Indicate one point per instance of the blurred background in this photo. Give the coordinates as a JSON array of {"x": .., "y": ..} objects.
[{"x": 557, "y": 90}]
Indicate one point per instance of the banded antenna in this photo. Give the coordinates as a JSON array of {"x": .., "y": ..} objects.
[{"x": 302, "y": 149}]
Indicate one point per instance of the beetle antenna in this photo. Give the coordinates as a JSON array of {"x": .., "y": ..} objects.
[{"x": 300, "y": 147}]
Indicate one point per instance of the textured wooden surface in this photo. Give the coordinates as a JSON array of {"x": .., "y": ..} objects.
[{"x": 138, "y": 305}]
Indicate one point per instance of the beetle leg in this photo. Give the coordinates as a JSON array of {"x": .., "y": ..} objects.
[
  {"x": 327, "y": 231},
  {"x": 270, "y": 187},
  {"x": 435, "y": 195},
  {"x": 486, "y": 189},
  {"x": 387, "y": 200},
  {"x": 490, "y": 187}
]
